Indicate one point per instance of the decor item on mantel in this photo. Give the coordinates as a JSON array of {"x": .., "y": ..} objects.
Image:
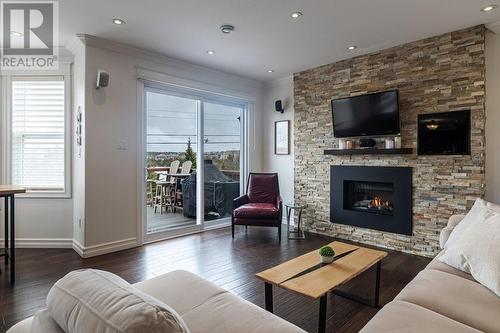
[
  {"x": 282, "y": 137},
  {"x": 326, "y": 254},
  {"x": 397, "y": 142},
  {"x": 345, "y": 144},
  {"x": 367, "y": 143},
  {"x": 389, "y": 143}
]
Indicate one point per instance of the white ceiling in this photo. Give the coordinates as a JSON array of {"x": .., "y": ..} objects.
[{"x": 265, "y": 36}]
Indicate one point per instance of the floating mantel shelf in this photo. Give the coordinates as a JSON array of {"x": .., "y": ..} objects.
[{"x": 370, "y": 151}]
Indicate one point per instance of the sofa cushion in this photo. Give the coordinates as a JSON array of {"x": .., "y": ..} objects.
[
  {"x": 445, "y": 233},
  {"x": 172, "y": 288},
  {"x": 437, "y": 265},
  {"x": 229, "y": 313},
  {"x": 257, "y": 211},
  {"x": 24, "y": 326},
  {"x": 97, "y": 301},
  {"x": 44, "y": 323},
  {"x": 209, "y": 308},
  {"x": 257, "y": 222},
  {"x": 454, "y": 297},
  {"x": 399, "y": 316}
]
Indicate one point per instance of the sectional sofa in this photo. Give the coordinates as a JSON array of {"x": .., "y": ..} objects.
[{"x": 440, "y": 299}]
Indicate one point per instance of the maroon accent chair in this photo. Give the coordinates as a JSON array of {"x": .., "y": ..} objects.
[{"x": 262, "y": 205}]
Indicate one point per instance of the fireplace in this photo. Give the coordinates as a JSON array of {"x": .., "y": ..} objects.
[
  {"x": 369, "y": 197},
  {"x": 377, "y": 198}
]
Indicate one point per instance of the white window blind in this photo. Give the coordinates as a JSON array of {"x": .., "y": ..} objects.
[{"x": 37, "y": 150}]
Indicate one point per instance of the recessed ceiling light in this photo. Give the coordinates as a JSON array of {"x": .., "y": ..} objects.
[
  {"x": 226, "y": 28},
  {"x": 16, "y": 33},
  {"x": 118, "y": 21},
  {"x": 270, "y": 70},
  {"x": 295, "y": 15},
  {"x": 352, "y": 47},
  {"x": 211, "y": 52},
  {"x": 489, "y": 8}
]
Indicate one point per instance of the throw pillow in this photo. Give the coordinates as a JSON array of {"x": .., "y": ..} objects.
[
  {"x": 477, "y": 251},
  {"x": 94, "y": 301},
  {"x": 481, "y": 210}
]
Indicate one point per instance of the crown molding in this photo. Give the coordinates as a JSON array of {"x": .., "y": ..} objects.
[
  {"x": 159, "y": 58},
  {"x": 75, "y": 45}
]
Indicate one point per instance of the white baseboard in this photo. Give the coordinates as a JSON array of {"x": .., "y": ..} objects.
[
  {"x": 41, "y": 243},
  {"x": 96, "y": 250},
  {"x": 78, "y": 247},
  {"x": 67, "y": 243}
]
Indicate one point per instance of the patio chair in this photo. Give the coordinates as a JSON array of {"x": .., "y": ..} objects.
[
  {"x": 177, "y": 193},
  {"x": 164, "y": 188}
]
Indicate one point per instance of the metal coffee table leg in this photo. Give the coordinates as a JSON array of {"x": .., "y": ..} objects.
[
  {"x": 322, "y": 313},
  {"x": 268, "y": 291}
]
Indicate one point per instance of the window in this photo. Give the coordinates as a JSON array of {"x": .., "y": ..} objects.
[{"x": 38, "y": 134}]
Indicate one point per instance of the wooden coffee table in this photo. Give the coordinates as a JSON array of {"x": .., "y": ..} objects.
[{"x": 306, "y": 276}]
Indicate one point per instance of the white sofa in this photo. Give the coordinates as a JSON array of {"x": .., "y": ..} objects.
[
  {"x": 203, "y": 306},
  {"x": 440, "y": 299}
]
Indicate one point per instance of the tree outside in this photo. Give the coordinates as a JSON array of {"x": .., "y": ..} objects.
[{"x": 190, "y": 155}]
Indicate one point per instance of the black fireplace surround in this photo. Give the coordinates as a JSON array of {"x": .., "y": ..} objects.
[{"x": 377, "y": 198}]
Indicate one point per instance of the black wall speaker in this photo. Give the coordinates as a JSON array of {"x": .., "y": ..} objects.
[
  {"x": 278, "y": 106},
  {"x": 102, "y": 79}
]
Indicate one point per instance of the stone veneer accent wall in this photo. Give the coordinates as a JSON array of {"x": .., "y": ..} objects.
[{"x": 443, "y": 73}]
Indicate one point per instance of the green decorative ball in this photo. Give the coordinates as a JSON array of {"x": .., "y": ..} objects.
[{"x": 326, "y": 251}]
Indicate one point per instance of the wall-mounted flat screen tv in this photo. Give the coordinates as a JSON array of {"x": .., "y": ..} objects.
[
  {"x": 445, "y": 133},
  {"x": 375, "y": 114}
]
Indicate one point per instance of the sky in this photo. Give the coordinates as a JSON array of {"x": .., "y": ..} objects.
[{"x": 171, "y": 122}]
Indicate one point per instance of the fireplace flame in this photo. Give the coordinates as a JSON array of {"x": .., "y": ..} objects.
[
  {"x": 376, "y": 202},
  {"x": 379, "y": 203}
]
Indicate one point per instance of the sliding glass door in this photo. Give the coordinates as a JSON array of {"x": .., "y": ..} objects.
[
  {"x": 222, "y": 157},
  {"x": 193, "y": 159},
  {"x": 171, "y": 148}
]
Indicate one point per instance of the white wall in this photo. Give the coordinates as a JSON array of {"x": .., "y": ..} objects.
[
  {"x": 111, "y": 115},
  {"x": 282, "y": 164},
  {"x": 493, "y": 117}
]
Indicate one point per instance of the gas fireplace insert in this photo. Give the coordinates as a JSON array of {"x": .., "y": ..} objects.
[{"x": 377, "y": 198}]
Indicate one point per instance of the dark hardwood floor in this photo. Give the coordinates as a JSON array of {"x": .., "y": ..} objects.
[{"x": 213, "y": 255}]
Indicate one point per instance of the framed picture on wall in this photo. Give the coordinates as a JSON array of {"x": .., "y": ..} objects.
[{"x": 282, "y": 137}]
